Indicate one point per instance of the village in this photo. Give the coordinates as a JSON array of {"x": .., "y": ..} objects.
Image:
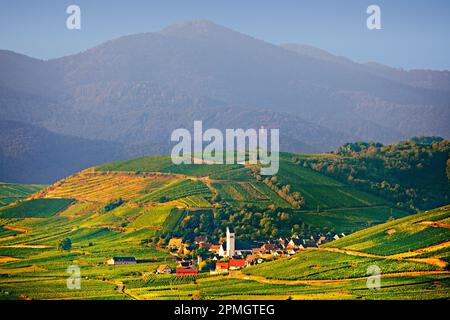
[{"x": 228, "y": 254}]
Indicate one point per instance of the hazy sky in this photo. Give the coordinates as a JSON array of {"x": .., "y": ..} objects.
[{"x": 415, "y": 34}]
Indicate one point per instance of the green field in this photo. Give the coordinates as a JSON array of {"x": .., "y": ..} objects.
[
  {"x": 151, "y": 217},
  {"x": 10, "y": 192},
  {"x": 37, "y": 208}
]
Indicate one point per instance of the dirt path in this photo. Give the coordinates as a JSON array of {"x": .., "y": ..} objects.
[
  {"x": 121, "y": 287},
  {"x": 261, "y": 279},
  {"x": 16, "y": 229}
]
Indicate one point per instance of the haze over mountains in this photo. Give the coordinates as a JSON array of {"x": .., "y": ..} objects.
[{"x": 124, "y": 97}]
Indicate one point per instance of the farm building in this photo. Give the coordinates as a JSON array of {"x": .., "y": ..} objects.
[
  {"x": 121, "y": 260},
  {"x": 164, "y": 269}
]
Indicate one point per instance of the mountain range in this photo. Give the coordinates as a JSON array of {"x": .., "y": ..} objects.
[{"x": 123, "y": 98}]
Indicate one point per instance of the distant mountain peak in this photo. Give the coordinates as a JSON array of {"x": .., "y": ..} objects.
[{"x": 198, "y": 29}]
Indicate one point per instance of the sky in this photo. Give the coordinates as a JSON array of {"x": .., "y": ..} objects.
[{"x": 415, "y": 34}]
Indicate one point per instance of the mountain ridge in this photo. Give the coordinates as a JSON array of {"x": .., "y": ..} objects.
[{"x": 136, "y": 89}]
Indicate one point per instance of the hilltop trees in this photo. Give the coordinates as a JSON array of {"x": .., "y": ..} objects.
[{"x": 414, "y": 174}]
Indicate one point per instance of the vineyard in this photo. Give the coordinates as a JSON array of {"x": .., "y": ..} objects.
[
  {"x": 406, "y": 234},
  {"x": 104, "y": 187},
  {"x": 10, "y": 192},
  {"x": 176, "y": 190},
  {"x": 36, "y": 208},
  {"x": 253, "y": 193}
]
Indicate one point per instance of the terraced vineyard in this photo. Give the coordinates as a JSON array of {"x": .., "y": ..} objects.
[{"x": 101, "y": 187}]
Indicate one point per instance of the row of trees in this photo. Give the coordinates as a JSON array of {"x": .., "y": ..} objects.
[
  {"x": 250, "y": 223},
  {"x": 284, "y": 191}
]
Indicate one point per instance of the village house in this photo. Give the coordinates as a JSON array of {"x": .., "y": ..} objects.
[
  {"x": 235, "y": 264},
  {"x": 221, "y": 267},
  {"x": 164, "y": 269},
  {"x": 268, "y": 248},
  {"x": 232, "y": 264},
  {"x": 121, "y": 261},
  {"x": 215, "y": 248},
  {"x": 186, "y": 271}
]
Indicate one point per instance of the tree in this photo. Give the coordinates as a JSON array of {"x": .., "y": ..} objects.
[{"x": 65, "y": 244}]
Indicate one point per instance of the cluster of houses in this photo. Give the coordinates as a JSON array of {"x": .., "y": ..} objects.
[{"x": 230, "y": 254}]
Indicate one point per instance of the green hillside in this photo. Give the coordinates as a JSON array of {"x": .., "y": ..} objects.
[
  {"x": 417, "y": 243},
  {"x": 309, "y": 197},
  {"x": 408, "y": 234},
  {"x": 133, "y": 207},
  {"x": 35, "y": 208},
  {"x": 10, "y": 192}
]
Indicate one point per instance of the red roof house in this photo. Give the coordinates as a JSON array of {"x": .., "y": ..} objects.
[{"x": 186, "y": 271}]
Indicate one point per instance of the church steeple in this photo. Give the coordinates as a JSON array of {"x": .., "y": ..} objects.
[{"x": 230, "y": 242}]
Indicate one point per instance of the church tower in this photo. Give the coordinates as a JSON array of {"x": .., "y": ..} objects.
[{"x": 230, "y": 242}]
